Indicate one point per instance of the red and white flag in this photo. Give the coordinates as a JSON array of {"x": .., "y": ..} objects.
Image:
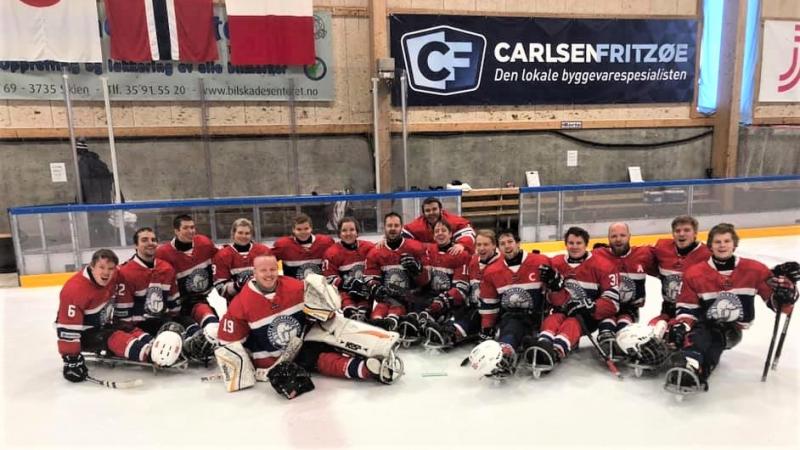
[
  {"x": 279, "y": 32},
  {"x": 152, "y": 30},
  {"x": 54, "y": 30}
]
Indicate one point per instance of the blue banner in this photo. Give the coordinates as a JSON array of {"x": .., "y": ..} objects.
[{"x": 475, "y": 60}]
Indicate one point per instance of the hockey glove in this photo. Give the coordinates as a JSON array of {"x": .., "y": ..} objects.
[
  {"x": 552, "y": 279},
  {"x": 410, "y": 264},
  {"x": 441, "y": 303},
  {"x": 676, "y": 336},
  {"x": 356, "y": 287},
  {"x": 75, "y": 368},
  {"x": 395, "y": 291},
  {"x": 790, "y": 270},
  {"x": 487, "y": 333},
  {"x": 240, "y": 281},
  {"x": 290, "y": 380},
  {"x": 377, "y": 292},
  {"x": 784, "y": 294}
]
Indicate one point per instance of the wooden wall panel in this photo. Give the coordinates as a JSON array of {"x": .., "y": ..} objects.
[{"x": 353, "y": 102}]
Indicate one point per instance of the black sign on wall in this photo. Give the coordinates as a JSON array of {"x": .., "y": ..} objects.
[{"x": 474, "y": 60}]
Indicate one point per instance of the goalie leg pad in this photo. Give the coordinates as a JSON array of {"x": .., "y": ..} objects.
[
  {"x": 355, "y": 337},
  {"x": 236, "y": 367}
]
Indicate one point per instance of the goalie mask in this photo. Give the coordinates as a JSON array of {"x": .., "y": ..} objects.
[{"x": 640, "y": 344}]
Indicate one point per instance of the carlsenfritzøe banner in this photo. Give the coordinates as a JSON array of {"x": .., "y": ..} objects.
[{"x": 476, "y": 60}]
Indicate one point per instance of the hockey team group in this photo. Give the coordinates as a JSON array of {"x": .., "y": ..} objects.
[{"x": 344, "y": 309}]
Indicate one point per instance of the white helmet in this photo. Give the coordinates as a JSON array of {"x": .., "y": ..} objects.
[
  {"x": 640, "y": 343},
  {"x": 166, "y": 348},
  {"x": 488, "y": 358}
]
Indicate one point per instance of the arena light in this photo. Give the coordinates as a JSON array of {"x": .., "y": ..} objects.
[{"x": 709, "y": 56}]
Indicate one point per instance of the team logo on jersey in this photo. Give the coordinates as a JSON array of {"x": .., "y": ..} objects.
[
  {"x": 474, "y": 293},
  {"x": 516, "y": 298},
  {"x": 726, "y": 308},
  {"x": 306, "y": 269},
  {"x": 627, "y": 290},
  {"x": 672, "y": 286},
  {"x": 356, "y": 273},
  {"x": 397, "y": 277},
  {"x": 154, "y": 300},
  {"x": 576, "y": 292},
  {"x": 281, "y": 330},
  {"x": 440, "y": 281},
  {"x": 197, "y": 281},
  {"x": 106, "y": 315}
]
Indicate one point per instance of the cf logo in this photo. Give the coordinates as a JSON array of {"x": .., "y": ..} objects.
[{"x": 444, "y": 60}]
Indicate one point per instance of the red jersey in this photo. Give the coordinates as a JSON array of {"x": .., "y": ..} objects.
[
  {"x": 231, "y": 264},
  {"x": 672, "y": 265},
  {"x": 83, "y": 305},
  {"x": 422, "y": 231},
  {"x": 476, "y": 269},
  {"x": 340, "y": 264},
  {"x": 711, "y": 295},
  {"x": 146, "y": 292},
  {"x": 633, "y": 268},
  {"x": 300, "y": 259},
  {"x": 512, "y": 288},
  {"x": 448, "y": 273},
  {"x": 592, "y": 280},
  {"x": 193, "y": 268},
  {"x": 383, "y": 265},
  {"x": 265, "y": 322}
]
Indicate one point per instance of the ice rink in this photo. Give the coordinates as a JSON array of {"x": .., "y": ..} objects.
[{"x": 579, "y": 405}]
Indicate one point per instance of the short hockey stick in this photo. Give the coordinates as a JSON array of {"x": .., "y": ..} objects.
[
  {"x": 781, "y": 341},
  {"x": 771, "y": 345},
  {"x": 127, "y": 384}
]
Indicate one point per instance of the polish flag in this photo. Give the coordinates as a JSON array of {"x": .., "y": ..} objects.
[
  {"x": 54, "y": 30},
  {"x": 152, "y": 30},
  {"x": 279, "y": 32}
]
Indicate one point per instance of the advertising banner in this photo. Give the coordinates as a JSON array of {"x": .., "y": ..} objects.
[
  {"x": 177, "y": 81},
  {"x": 780, "y": 62},
  {"x": 474, "y": 60}
]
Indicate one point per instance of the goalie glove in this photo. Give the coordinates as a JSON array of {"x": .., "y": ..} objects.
[
  {"x": 552, "y": 279},
  {"x": 410, "y": 264},
  {"x": 290, "y": 380}
]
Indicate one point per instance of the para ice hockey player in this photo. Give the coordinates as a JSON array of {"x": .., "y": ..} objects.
[
  {"x": 447, "y": 289},
  {"x": 395, "y": 271},
  {"x": 717, "y": 302},
  {"x": 421, "y": 228},
  {"x": 512, "y": 300},
  {"x": 344, "y": 264},
  {"x": 84, "y": 322},
  {"x": 303, "y": 251},
  {"x": 268, "y": 314},
  {"x": 233, "y": 264},
  {"x": 465, "y": 322},
  {"x": 583, "y": 291}
]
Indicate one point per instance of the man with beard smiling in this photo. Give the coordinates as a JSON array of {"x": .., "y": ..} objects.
[{"x": 633, "y": 265}]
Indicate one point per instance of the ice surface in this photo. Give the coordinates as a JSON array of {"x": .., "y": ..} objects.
[{"x": 579, "y": 405}]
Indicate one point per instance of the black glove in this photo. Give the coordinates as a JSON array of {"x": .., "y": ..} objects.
[
  {"x": 290, "y": 380},
  {"x": 395, "y": 291},
  {"x": 784, "y": 291},
  {"x": 442, "y": 302},
  {"x": 552, "y": 279},
  {"x": 355, "y": 286},
  {"x": 240, "y": 281},
  {"x": 790, "y": 270},
  {"x": 75, "y": 368},
  {"x": 487, "y": 333},
  {"x": 376, "y": 292},
  {"x": 677, "y": 334},
  {"x": 410, "y": 264},
  {"x": 583, "y": 311}
]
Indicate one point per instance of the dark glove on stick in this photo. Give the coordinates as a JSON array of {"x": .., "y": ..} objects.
[{"x": 552, "y": 279}]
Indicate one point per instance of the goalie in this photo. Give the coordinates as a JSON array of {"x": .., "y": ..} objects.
[{"x": 265, "y": 319}]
